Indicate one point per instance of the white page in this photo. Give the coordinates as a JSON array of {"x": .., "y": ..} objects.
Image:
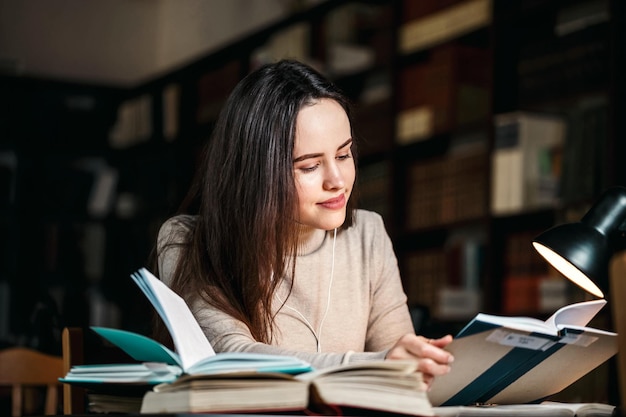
[
  {"x": 579, "y": 314},
  {"x": 189, "y": 339},
  {"x": 528, "y": 324}
]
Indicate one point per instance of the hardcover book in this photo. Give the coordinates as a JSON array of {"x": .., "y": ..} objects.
[{"x": 516, "y": 360}]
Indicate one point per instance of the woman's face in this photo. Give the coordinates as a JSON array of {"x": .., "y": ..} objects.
[{"x": 323, "y": 164}]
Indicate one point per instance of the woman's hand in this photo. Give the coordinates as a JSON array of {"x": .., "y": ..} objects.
[{"x": 432, "y": 359}]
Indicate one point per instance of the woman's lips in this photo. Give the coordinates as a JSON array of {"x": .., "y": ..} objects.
[{"x": 334, "y": 203}]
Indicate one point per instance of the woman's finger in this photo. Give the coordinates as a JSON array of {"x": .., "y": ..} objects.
[{"x": 429, "y": 367}]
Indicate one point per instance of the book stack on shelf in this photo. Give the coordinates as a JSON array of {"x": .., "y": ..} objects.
[
  {"x": 374, "y": 187},
  {"x": 447, "y": 189},
  {"x": 575, "y": 60},
  {"x": 428, "y": 23},
  {"x": 357, "y": 50},
  {"x": 133, "y": 123},
  {"x": 442, "y": 145},
  {"x": 586, "y": 151},
  {"x": 423, "y": 277},
  {"x": 525, "y": 273},
  {"x": 460, "y": 295},
  {"x": 526, "y": 162},
  {"x": 447, "y": 90},
  {"x": 213, "y": 88},
  {"x": 448, "y": 282}
]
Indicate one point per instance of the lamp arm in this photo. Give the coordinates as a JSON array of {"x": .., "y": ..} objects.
[
  {"x": 608, "y": 214},
  {"x": 619, "y": 240}
]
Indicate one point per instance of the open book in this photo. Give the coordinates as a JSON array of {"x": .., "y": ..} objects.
[
  {"x": 515, "y": 360},
  {"x": 194, "y": 354},
  {"x": 381, "y": 386}
]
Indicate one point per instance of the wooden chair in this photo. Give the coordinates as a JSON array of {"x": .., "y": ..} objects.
[
  {"x": 82, "y": 347},
  {"x": 73, "y": 354},
  {"x": 22, "y": 367}
]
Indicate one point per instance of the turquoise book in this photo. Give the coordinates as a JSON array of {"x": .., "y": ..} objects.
[
  {"x": 519, "y": 360},
  {"x": 193, "y": 353}
]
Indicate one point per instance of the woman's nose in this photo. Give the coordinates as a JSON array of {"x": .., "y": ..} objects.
[{"x": 334, "y": 177}]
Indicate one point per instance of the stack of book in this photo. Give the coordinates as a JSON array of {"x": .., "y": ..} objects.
[{"x": 196, "y": 379}]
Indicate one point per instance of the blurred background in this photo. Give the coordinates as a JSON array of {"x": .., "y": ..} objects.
[{"x": 479, "y": 123}]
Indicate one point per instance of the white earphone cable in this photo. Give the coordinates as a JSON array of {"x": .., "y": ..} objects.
[
  {"x": 330, "y": 286},
  {"x": 318, "y": 334}
]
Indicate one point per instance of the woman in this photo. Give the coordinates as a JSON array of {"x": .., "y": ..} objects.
[{"x": 275, "y": 258}]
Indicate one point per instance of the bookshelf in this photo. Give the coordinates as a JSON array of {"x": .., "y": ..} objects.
[
  {"x": 429, "y": 80},
  {"x": 441, "y": 155},
  {"x": 98, "y": 169},
  {"x": 544, "y": 104},
  {"x": 466, "y": 98},
  {"x": 564, "y": 66}
]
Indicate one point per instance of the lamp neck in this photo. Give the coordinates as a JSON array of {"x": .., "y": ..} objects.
[
  {"x": 608, "y": 215},
  {"x": 619, "y": 240}
]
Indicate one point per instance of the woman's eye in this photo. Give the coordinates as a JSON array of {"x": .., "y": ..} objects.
[
  {"x": 342, "y": 157},
  {"x": 308, "y": 169}
]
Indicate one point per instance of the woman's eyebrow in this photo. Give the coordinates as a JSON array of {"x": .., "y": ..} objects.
[
  {"x": 317, "y": 155},
  {"x": 346, "y": 143}
]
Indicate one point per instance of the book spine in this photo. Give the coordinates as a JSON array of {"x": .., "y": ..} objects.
[
  {"x": 423, "y": 273},
  {"x": 447, "y": 189},
  {"x": 526, "y": 162},
  {"x": 444, "y": 91},
  {"x": 444, "y": 25}
]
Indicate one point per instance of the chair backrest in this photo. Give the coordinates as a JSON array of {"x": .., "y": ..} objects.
[
  {"x": 81, "y": 347},
  {"x": 22, "y": 367},
  {"x": 73, "y": 354}
]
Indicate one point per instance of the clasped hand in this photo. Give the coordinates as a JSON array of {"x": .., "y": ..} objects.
[{"x": 432, "y": 359}]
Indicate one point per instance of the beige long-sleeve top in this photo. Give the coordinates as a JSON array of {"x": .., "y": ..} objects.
[{"x": 347, "y": 303}]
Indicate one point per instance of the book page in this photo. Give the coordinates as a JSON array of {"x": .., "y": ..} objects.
[
  {"x": 583, "y": 409},
  {"x": 528, "y": 324},
  {"x": 545, "y": 409},
  {"x": 579, "y": 314},
  {"x": 189, "y": 339}
]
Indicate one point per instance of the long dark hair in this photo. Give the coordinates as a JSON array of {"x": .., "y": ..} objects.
[{"x": 245, "y": 197}]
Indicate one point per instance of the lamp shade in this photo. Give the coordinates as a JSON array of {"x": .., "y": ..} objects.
[{"x": 582, "y": 251}]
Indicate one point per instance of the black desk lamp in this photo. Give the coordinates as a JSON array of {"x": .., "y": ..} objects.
[{"x": 582, "y": 251}]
